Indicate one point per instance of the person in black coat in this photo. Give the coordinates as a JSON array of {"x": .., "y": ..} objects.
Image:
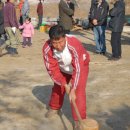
[{"x": 117, "y": 14}]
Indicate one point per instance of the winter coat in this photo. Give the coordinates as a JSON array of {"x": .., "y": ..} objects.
[
  {"x": 10, "y": 19},
  {"x": 28, "y": 29},
  {"x": 40, "y": 9},
  {"x": 1, "y": 18},
  {"x": 25, "y": 8},
  {"x": 20, "y": 7},
  {"x": 100, "y": 13},
  {"x": 80, "y": 58},
  {"x": 117, "y": 14},
  {"x": 65, "y": 15}
]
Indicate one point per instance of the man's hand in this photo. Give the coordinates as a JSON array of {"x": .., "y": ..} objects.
[
  {"x": 95, "y": 22},
  {"x": 72, "y": 95},
  {"x": 67, "y": 89},
  {"x": 14, "y": 29},
  {"x": 70, "y": 92}
]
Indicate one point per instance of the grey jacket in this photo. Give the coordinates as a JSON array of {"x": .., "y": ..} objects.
[{"x": 65, "y": 15}]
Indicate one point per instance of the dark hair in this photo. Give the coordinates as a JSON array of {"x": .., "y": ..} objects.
[
  {"x": 28, "y": 18},
  {"x": 56, "y": 32}
]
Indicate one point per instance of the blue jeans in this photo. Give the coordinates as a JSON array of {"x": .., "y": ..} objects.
[{"x": 99, "y": 36}]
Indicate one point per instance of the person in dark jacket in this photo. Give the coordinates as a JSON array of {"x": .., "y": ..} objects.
[
  {"x": 11, "y": 25},
  {"x": 117, "y": 14},
  {"x": 98, "y": 18},
  {"x": 40, "y": 13},
  {"x": 65, "y": 15},
  {"x": 1, "y": 19}
]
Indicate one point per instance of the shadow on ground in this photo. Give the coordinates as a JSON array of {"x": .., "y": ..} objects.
[
  {"x": 43, "y": 93},
  {"x": 116, "y": 119}
]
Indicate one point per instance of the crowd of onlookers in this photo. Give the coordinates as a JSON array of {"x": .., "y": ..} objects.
[
  {"x": 99, "y": 13},
  {"x": 10, "y": 24},
  {"x": 98, "y": 20}
]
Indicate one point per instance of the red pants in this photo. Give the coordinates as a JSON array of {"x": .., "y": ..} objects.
[{"x": 58, "y": 93}]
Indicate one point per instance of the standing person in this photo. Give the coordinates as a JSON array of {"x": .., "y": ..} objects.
[
  {"x": 98, "y": 17},
  {"x": 65, "y": 15},
  {"x": 67, "y": 62},
  {"x": 117, "y": 14},
  {"x": 2, "y": 31},
  {"x": 40, "y": 13},
  {"x": 11, "y": 25},
  {"x": 25, "y": 10},
  {"x": 20, "y": 8},
  {"x": 28, "y": 31}
]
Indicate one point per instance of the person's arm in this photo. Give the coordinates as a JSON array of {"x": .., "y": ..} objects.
[
  {"x": 52, "y": 67},
  {"x": 117, "y": 9},
  {"x": 104, "y": 13},
  {"x": 32, "y": 29},
  {"x": 21, "y": 26}
]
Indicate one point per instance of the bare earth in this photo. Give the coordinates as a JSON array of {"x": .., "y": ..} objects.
[{"x": 25, "y": 88}]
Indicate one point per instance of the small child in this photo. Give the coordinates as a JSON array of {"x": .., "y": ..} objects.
[{"x": 28, "y": 32}]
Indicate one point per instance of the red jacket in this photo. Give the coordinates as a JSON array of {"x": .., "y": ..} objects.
[
  {"x": 40, "y": 9},
  {"x": 80, "y": 57}
]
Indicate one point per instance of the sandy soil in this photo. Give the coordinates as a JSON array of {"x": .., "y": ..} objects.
[{"x": 25, "y": 88}]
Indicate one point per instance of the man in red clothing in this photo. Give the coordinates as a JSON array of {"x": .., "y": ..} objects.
[
  {"x": 67, "y": 63},
  {"x": 40, "y": 13}
]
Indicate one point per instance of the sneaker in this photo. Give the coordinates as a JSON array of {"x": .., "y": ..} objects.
[{"x": 52, "y": 112}]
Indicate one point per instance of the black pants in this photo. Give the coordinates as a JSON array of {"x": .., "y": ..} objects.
[
  {"x": 27, "y": 41},
  {"x": 39, "y": 20},
  {"x": 116, "y": 44}
]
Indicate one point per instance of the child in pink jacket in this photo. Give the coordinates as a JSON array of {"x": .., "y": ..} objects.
[{"x": 28, "y": 32}]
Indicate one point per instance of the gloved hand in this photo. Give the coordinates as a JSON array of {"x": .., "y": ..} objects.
[{"x": 14, "y": 29}]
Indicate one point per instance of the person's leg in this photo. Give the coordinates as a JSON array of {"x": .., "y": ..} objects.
[
  {"x": 97, "y": 38},
  {"x": 81, "y": 94},
  {"x": 57, "y": 97},
  {"x": 102, "y": 39},
  {"x": 29, "y": 41},
  {"x": 81, "y": 97},
  {"x": 40, "y": 20},
  {"x": 115, "y": 44},
  {"x": 119, "y": 45},
  {"x": 24, "y": 42}
]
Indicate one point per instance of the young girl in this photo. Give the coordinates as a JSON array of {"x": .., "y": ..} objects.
[{"x": 28, "y": 31}]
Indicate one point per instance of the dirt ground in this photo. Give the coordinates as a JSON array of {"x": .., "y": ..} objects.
[{"x": 25, "y": 88}]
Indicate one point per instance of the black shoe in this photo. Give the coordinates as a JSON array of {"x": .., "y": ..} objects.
[
  {"x": 103, "y": 53},
  {"x": 114, "y": 58},
  {"x": 13, "y": 52},
  {"x": 97, "y": 52}
]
